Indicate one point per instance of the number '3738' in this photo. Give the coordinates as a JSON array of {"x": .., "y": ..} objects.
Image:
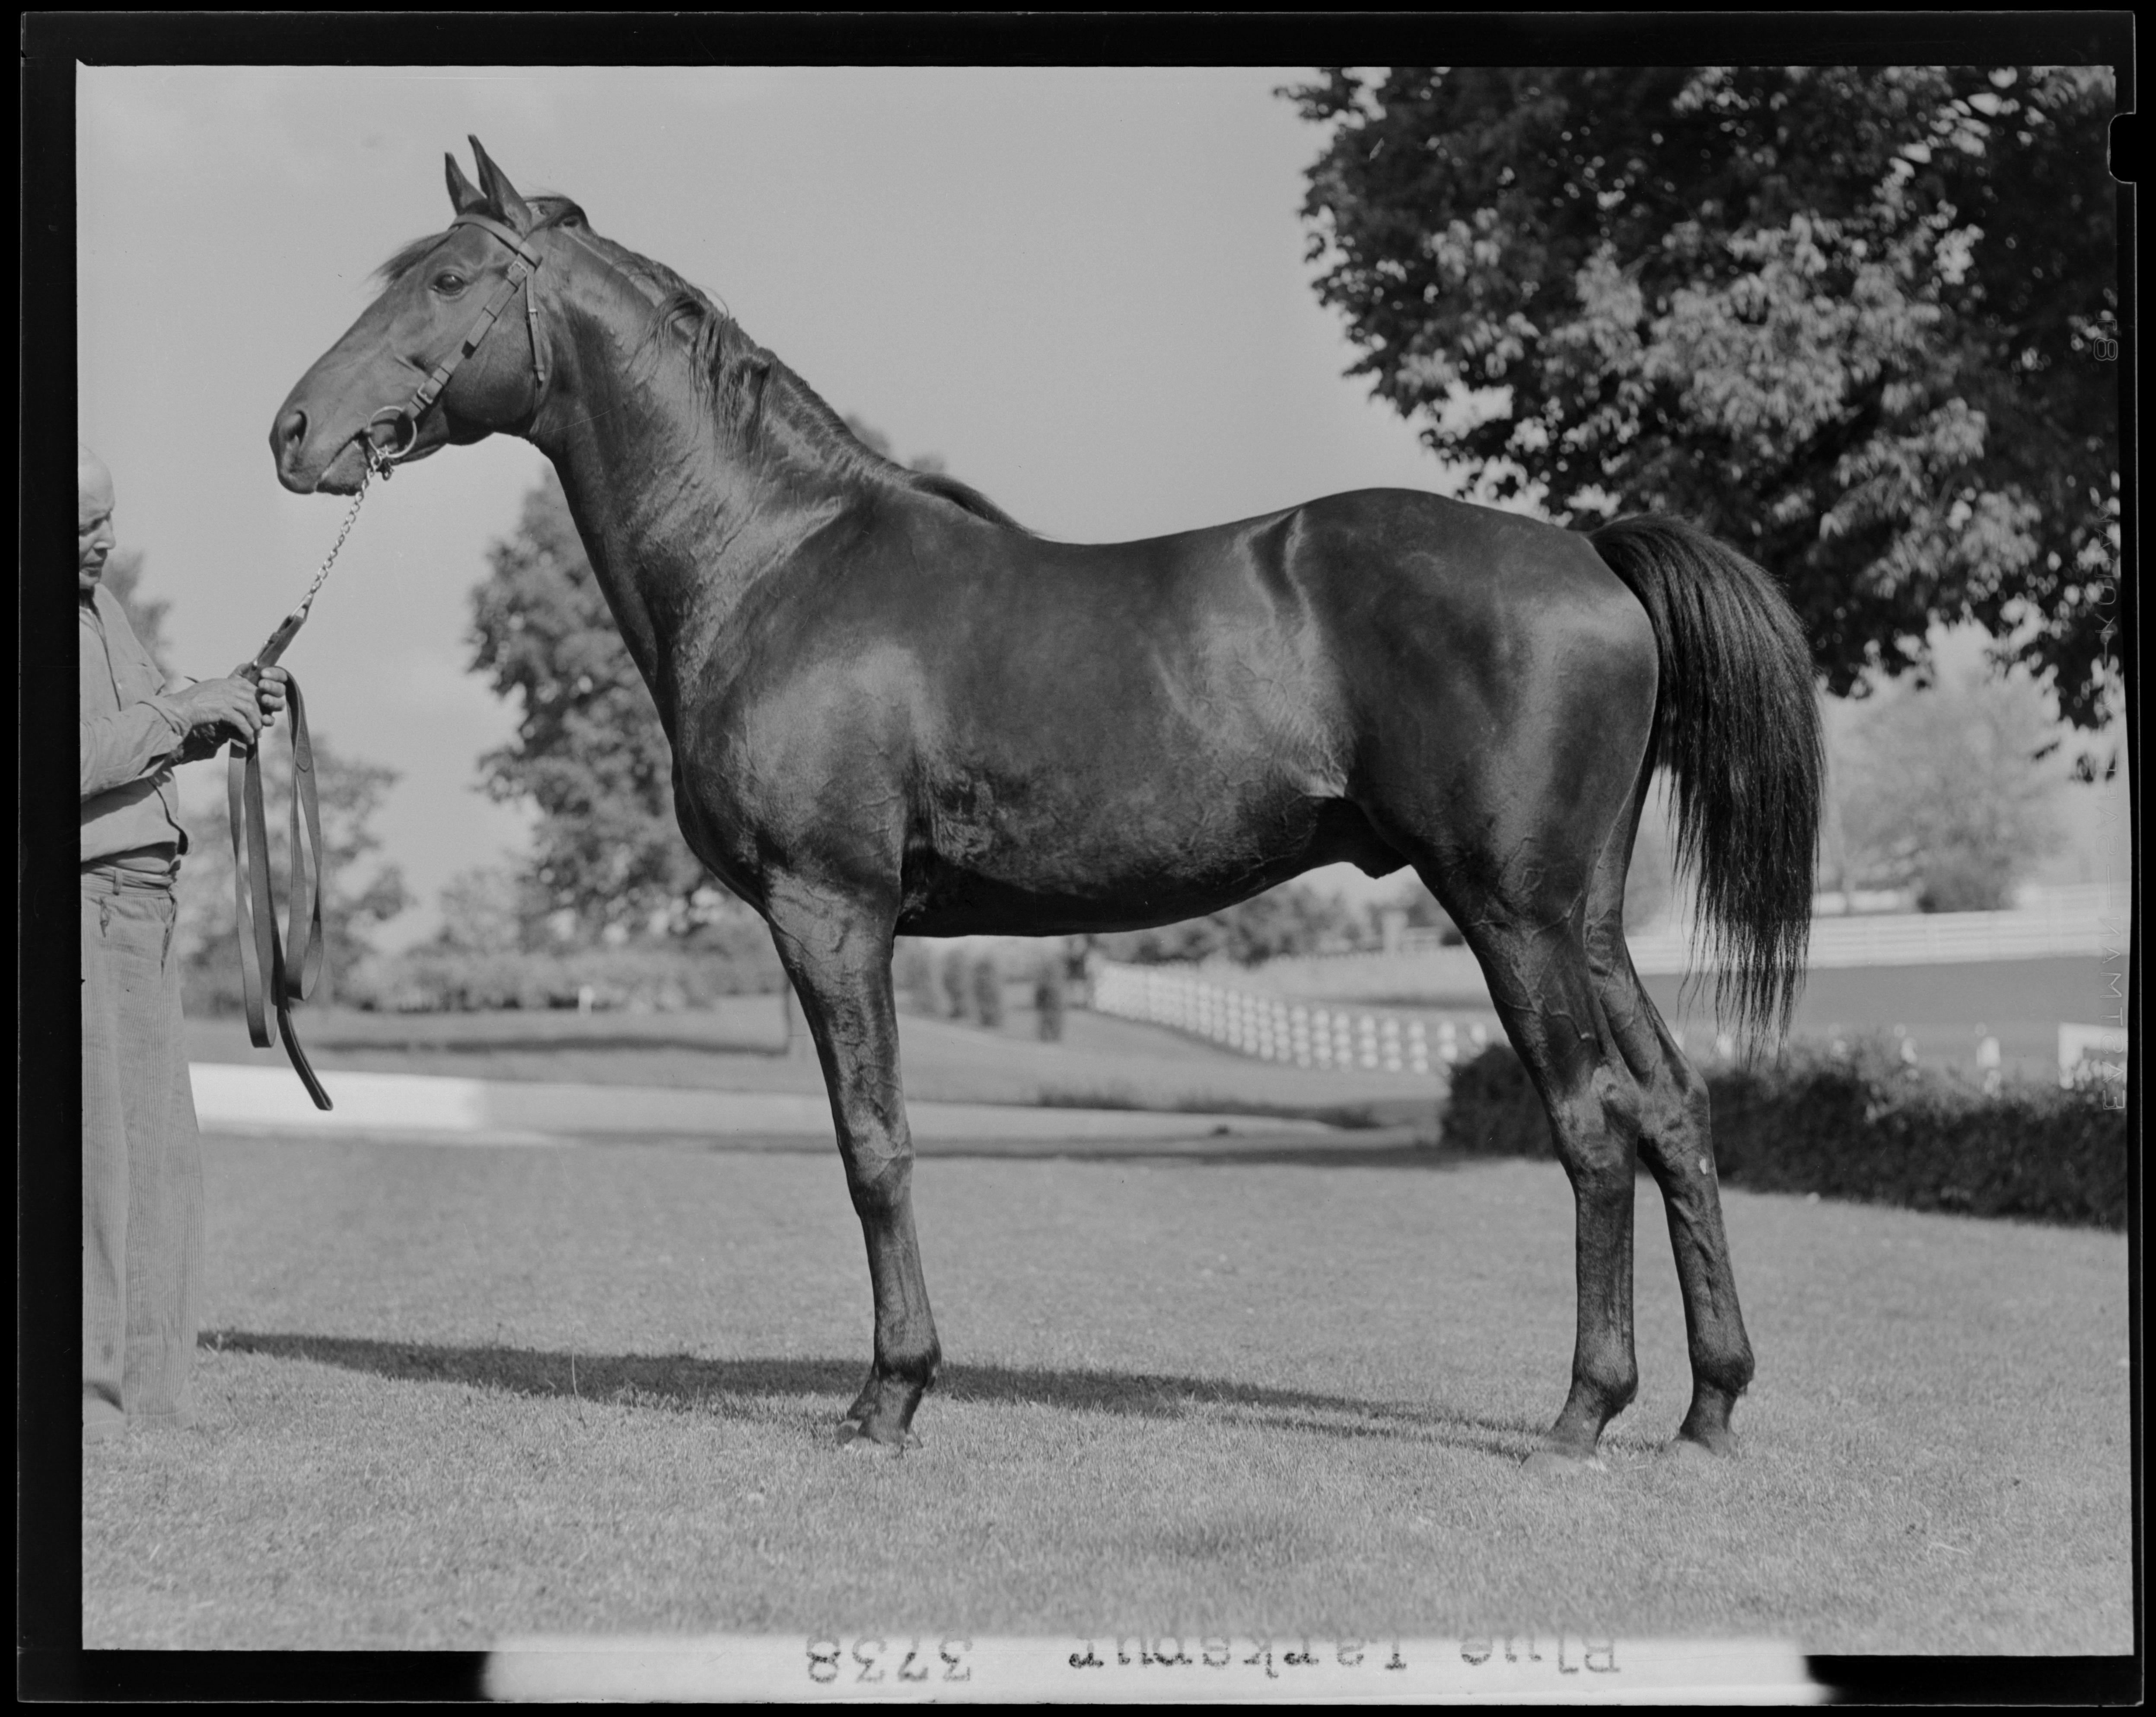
[{"x": 867, "y": 1662}]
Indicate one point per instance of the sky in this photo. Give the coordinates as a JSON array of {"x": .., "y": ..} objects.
[{"x": 1086, "y": 291}]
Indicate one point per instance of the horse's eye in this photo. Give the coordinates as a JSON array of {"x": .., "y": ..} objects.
[{"x": 450, "y": 283}]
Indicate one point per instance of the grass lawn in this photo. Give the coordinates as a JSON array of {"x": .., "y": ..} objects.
[{"x": 453, "y": 1394}]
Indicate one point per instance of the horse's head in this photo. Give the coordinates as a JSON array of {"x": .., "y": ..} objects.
[{"x": 366, "y": 388}]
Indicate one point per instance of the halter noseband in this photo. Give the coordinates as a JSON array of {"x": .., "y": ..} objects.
[{"x": 520, "y": 270}]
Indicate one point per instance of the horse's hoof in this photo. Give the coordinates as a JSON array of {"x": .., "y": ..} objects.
[
  {"x": 1705, "y": 1453},
  {"x": 1554, "y": 1464},
  {"x": 855, "y": 1439}
]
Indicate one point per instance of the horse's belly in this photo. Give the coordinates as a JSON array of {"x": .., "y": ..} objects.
[{"x": 1129, "y": 862}]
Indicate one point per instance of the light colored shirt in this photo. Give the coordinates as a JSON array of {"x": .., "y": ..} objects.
[{"x": 132, "y": 735}]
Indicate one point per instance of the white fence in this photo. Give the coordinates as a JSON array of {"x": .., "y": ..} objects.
[
  {"x": 1275, "y": 1029},
  {"x": 2088, "y": 923}
]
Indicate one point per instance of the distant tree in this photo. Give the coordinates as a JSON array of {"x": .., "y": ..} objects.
[
  {"x": 913, "y": 974},
  {"x": 957, "y": 976},
  {"x": 1649, "y": 883},
  {"x": 987, "y": 991},
  {"x": 877, "y": 442},
  {"x": 1857, "y": 321},
  {"x": 359, "y": 892},
  {"x": 869, "y": 436},
  {"x": 1422, "y": 909},
  {"x": 488, "y": 909},
  {"x": 1944, "y": 790},
  {"x": 123, "y": 577},
  {"x": 589, "y": 750},
  {"x": 1050, "y": 1002},
  {"x": 1293, "y": 918}
]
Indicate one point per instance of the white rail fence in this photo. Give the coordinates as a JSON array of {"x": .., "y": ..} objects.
[
  {"x": 1276, "y": 1029},
  {"x": 2088, "y": 922},
  {"x": 1284, "y": 1011}
]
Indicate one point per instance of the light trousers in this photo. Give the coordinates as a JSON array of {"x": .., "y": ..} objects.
[{"x": 142, "y": 1243}]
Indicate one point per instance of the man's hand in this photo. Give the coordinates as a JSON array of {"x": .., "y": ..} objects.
[
  {"x": 269, "y": 693},
  {"x": 235, "y": 707}
]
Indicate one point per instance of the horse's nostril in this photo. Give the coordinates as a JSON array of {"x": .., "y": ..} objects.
[{"x": 291, "y": 431}]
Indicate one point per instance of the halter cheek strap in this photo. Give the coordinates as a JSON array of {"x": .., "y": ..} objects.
[
  {"x": 525, "y": 263},
  {"x": 527, "y": 260}
]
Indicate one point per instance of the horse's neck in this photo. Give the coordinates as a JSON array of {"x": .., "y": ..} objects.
[{"x": 678, "y": 523}]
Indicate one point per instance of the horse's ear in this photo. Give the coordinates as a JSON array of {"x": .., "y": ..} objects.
[
  {"x": 500, "y": 195},
  {"x": 464, "y": 196}
]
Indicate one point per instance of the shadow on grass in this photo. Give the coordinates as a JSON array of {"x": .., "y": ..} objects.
[
  {"x": 730, "y": 1388},
  {"x": 1243, "y": 1154},
  {"x": 1230, "y": 1150},
  {"x": 1384, "y": 1112}
]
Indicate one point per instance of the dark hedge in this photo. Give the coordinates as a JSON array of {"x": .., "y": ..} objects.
[{"x": 1861, "y": 1127}]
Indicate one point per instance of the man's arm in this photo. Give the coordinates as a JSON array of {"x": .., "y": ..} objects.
[
  {"x": 133, "y": 743},
  {"x": 130, "y": 745}
]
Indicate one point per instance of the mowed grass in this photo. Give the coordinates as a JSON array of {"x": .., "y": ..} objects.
[{"x": 458, "y": 1394}]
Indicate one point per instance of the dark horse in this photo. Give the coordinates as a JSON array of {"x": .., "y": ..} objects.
[{"x": 894, "y": 710}]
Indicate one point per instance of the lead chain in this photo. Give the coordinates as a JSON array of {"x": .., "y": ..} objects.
[{"x": 375, "y": 462}]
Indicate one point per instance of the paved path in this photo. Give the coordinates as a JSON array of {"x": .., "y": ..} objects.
[{"x": 230, "y": 1098}]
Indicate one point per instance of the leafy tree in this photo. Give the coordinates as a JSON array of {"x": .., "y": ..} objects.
[
  {"x": 1940, "y": 789},
  {"x": 356, "y": 895},
  {"x": 589, "y": 750},
  {"x": 1853, "y": 320}
]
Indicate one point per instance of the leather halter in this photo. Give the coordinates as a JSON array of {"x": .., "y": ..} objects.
[{"x": 525, "y": 265}]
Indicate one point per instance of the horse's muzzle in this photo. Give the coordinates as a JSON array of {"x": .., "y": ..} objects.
[
  {"x": 304, "y": 470},
  {"x": 288, "y": 446}
]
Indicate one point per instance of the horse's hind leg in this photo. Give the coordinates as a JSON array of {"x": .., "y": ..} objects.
[
  {"x": 1677, "y": 1143},
  {"x": 1536, "y": 961},
  {"x": 837, "y": 951}
]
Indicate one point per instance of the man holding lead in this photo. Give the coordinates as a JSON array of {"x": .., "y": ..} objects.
[{"x": 141, "y": 1159}]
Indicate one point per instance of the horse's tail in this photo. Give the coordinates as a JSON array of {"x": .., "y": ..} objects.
[{"x": 1737, "y": 724}]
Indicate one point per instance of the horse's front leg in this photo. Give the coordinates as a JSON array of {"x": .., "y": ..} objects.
[{"x": 837, "y": 953}]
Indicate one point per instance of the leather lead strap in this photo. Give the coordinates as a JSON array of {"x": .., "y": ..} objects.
[{"x": 272, "y": 969}]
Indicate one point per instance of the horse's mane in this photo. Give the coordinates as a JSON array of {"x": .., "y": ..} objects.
[{"x": 742, "y": 379}]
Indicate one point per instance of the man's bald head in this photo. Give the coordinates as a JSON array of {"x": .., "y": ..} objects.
[{"x": 93, "y": 517}]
